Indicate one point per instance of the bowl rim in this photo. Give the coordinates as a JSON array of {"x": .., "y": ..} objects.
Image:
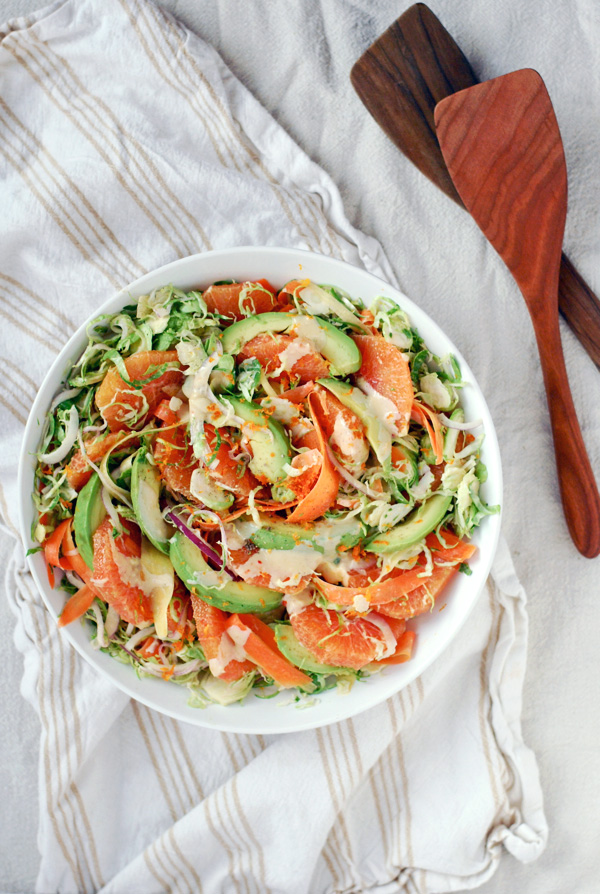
[{"x": 386, "y": 686}]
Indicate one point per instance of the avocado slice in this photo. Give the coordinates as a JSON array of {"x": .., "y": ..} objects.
[
  {"x": 145, "y": 491},
  {"x": 278, "y": 534},
  {"x": 269, "y": 443},
  {"x": 216, "y": 587},
  {"x": 414, "y": 528},
  {"x": 292, "y": 649},
  {"x": 208, "y": 491},
  {"x": 327, "y": 339},
  {"x": 89, "y": 513},
  {"x": 451, "y": 436},
  {"x": 377, "y": 434},
  {"x": 267, "y": 538}
]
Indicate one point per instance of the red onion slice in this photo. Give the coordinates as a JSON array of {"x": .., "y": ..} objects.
[{"x": 208, "y": 552}]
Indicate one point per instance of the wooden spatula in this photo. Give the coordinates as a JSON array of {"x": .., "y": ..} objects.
[
  {"x": 400, "y": 78},
  {"x": 502, "y": 146}
]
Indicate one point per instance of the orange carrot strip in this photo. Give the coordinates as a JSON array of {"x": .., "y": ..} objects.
[
  {"x": 400, "y": 583},
  {"x": 425, "y": 416},
  {"x": 385, "y": 591},
  {"x": 53, "y": 543},
  {"x": 262, "y": 650},
  {"x": 299, "y": 394},
  {"x": 76, "y": 606},
  {"x": 323, "y": 494},
  {"x": 75, "y": 563},
  {"x": 403, "y": 651}
]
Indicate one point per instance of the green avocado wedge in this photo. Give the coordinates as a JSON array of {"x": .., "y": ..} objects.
[
  {"x": 377, "y": 434},
  {"x": 292, "y": 649},
  {"x": 216, "y": 587},
  {"x": 89, "y": 514},
  {"x": 269, "y": 443},
  {"x": 145, "y": 490},
  {"x": 415, "y": 527},
  {"x": 337, "y": 347}
]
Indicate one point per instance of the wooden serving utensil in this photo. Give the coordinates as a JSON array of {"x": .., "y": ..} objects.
[
  {"x": 502, "y": 146},
  {"x": 414, "y": 65}
]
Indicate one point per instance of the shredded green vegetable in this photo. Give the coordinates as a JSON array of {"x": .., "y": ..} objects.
[{"x": 186, "y": 440}]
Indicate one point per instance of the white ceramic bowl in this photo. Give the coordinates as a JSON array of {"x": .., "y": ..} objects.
[{"x": 435, "y": 631}]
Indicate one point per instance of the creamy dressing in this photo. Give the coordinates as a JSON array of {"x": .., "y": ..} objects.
[
  {"x": 230, "y": 649},
  {"x": 239, "y": 637},
  {"x": 360, "y": 603},
  {"x": 352, "y": 445},
  {"x": 301, "y": 428},
  {"x": 204, "y": 406},
  {"x": 384, "y": 409},
  {"x": 302, "y": 462},
  {"x": 286, "y": 568},
  {"x": 388, "y": 646},
  {"x": 284, "y": 411},
  {"x": 152, "y": 573},
  {"x": 308, "y": 328},
  {"x": 289, "y": 357},
  {"x": 297, "y": 602}
]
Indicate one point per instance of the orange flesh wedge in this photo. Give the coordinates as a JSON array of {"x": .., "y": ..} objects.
[
  {"x": 386, "y": 369},
  {"x": 79, "y": 471},
  {"x": 268, "y": 347},
  {"x": 131, "y": 603},
  {"x": 211, "y": 625},
  {"x": 261, "y": 648},
  {"x": 225, "y": 469},
  {"x": 225, "y": 300},
  {"x": 338, "y": 640},
  {"x": 422, "y": 598},
  {"x": 116, "y": 399},
  {"x": 175, "y": 459},
  {"x": 400, "y": 584}
]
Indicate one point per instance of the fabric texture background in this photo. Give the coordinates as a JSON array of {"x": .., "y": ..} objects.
[{"x": 423, "y": 792}]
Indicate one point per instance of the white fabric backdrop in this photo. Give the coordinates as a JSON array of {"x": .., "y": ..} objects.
[{"x": 295, "y": 58}]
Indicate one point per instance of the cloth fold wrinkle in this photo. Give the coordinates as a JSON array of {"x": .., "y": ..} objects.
[{"x": 417, "y": 793}]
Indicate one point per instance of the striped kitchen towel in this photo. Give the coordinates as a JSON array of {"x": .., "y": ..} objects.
[{"x": 126, "y": 143}]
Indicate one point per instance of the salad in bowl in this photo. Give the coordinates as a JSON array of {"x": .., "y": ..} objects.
[{"x": 251, "y": 486}]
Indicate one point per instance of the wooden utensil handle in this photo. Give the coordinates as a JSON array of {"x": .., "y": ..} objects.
[
  {"x": 400, "y": 78},
  {"x": 580, "y": 308},
  {"x": 578, "y": 490}
]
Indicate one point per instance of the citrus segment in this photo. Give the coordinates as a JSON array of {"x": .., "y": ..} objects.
[
  {"x": 224, "y": 468},
  {"x": 385, "y": 368},
  {"x": 280, "y": 355},
  {"x": 125, "y": 405},
  {"x": 335, "y": 639},
  {"x": 131, "y": 603},
  {"x": 422, "y": 598},
  {"x": 211, "y": 626},
  {"x": 175, "y": 459},
  {"x": 343, "y": 429},
  {"x": 257, "y": 298},
  {"x": 79, "y": 470}
]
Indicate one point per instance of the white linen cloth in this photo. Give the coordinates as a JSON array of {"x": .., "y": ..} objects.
[{"x": 126, "y": 143}]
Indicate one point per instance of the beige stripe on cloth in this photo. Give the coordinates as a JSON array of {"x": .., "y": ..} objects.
[{"x": 408, "y": 793}]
